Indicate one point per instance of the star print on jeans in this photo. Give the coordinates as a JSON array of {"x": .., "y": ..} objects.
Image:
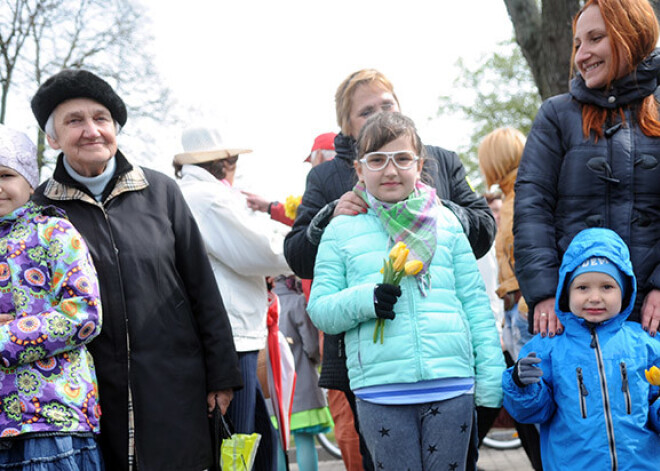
[
  {"x": 464, "y": 428},
  {"x": 384, "y": 432},
  {"x": 432, "y": 449},
  {"x": 453, "y": 467},
  {"x": 380, "y": 465}
]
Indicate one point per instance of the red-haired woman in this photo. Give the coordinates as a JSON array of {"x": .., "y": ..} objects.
[{"x": 592, "y": 159}]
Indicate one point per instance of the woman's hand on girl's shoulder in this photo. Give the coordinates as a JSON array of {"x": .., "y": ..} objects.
[
  {"x": 6, "y": 319},
  {"x": 350, "y": 204},
  {"x": 651, "y": 312}
]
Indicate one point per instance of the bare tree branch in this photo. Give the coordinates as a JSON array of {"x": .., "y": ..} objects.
[
  {"x": 16, "y": 20},
  {"x": 38, "y": 38}
]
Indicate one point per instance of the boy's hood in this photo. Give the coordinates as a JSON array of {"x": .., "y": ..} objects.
[{"x": 595, "y": 242}]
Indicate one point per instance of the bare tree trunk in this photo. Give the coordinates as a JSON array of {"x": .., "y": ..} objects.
[
  {"x": 545, "y": 37},
  {"x": 3, "y": 100},
  {"x": 41, "y": 147}
]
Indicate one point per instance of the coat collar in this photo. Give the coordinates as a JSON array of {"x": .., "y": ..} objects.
[
  {"x": 627, "y": 90},
  {"x": 198, "y": 173},
  {"x": 346, "y": 148},
  {"x": 63, "y": 187}
]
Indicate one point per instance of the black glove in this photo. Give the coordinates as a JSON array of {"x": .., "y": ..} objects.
[
  {"x": 385, "y": 297},
  {"x": 526, "y": 372}
]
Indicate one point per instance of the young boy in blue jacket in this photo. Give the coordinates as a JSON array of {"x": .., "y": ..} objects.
[{"x": 587, "y": 388}]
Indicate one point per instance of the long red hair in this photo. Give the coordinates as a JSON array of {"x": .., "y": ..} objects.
[{"x": 633, "y": 27}]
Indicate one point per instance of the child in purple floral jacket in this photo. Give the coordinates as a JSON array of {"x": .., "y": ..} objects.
[{"x": 49, "y": 309}]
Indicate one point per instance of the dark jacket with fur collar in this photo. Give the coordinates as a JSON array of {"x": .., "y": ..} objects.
[{"x": 166, "y": 336}]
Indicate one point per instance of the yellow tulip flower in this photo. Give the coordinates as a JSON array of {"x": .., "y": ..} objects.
[
  {"x": 393, "y": 271},
  {"x": 653, "y": 375},
  {"x": 413, "y": 267},
  {"x": 400, "y": 262},
  {"x": 291, "y": 206},
  {"x": 398, "y": 247}
]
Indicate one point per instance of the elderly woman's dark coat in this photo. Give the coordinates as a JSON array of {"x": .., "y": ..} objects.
[
  {"x": 567, "y": 183},
  {"x": 166, "y": 337}
]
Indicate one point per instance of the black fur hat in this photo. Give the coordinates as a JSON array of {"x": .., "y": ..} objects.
[{"x": 76, "y": 83}]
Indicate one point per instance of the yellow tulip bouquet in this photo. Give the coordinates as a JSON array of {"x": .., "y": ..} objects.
[
  {"x": 653, "y": 375},
  {"x": 394, "y": 269}
]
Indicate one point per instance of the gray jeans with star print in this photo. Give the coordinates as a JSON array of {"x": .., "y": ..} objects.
[{"x": 418, "y": 437}]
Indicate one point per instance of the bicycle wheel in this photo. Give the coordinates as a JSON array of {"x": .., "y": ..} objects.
[
  {"x": 503, "y": 439},
  {"x": 328, "y": 445}
]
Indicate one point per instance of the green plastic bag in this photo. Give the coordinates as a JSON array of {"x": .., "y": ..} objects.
[{"x": 237, "y": 452}]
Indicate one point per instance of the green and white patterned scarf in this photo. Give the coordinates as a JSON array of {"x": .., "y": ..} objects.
[{"x": 411, "y": 221}]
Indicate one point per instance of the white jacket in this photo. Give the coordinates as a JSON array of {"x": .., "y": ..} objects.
[{"x": 241, "y": 251}]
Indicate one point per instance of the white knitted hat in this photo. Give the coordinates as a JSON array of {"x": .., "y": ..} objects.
[{"x": 19, "y": 153}]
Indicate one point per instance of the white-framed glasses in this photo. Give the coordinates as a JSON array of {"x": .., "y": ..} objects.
[{"x": 402, "y": 159}]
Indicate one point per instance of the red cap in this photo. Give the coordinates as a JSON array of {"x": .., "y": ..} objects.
[{"x": 324, "y": 142}]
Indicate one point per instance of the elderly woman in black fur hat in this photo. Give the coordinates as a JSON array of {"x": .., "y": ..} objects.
[{"x": 165, "y": 356}]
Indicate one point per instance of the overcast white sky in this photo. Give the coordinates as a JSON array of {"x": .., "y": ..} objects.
[{"x": 265, "y": 72}]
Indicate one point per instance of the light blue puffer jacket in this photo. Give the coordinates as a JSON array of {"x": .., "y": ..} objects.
[
  {"x": 449, "y": 333},
  {"x": 593, "y": 403}
]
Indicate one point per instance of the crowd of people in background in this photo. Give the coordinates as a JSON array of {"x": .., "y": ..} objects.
[{"x": 133, "y": 305}]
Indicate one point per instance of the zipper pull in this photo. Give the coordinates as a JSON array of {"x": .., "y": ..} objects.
[
  {"x": 583, "y": 393},
  {"x": 583, "y": 388},
  {"x": 592, "y": 331},
  {"x": 624, "y": 377},
  {"x": 609, "y": 132},
  {"x": 624, "y": 387}
]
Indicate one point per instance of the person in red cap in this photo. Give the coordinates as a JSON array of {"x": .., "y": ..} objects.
[{"x": 323, "y": 150}]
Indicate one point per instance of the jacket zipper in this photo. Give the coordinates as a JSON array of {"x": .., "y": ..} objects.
[
  {"x": 582, "y": 389},
  {"x": 609, "y": 425},
  {"x": 609, "y": 136},
  {"x": 102, "y": 206},
  {"x": 624, "y": 387},
  {"x": 413, "y": 319},
  {"x": 128, "y": 338}
]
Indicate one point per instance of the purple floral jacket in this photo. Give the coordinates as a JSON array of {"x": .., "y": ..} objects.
[{"x": 48, "y": 281}]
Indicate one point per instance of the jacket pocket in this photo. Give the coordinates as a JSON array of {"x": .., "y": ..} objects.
[
  {"x": 582, "y": 391},
  {"x": 624, "y": 387}
]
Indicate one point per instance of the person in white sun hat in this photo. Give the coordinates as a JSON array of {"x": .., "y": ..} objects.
[{"x": 242, "y": 253}]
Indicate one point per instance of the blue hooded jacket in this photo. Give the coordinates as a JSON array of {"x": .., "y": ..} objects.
[{"x": 595, "y": 407}]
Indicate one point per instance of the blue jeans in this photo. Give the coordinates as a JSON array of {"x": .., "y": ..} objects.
[
  {"x": 515, "y": 334},
  {"x": 418, "y": 437},
  {"x": 64, "y": 453},
  {"x": 249, "y": 414}
]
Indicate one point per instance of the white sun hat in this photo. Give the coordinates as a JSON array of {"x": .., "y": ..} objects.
[{"x": 204, "y": 144}]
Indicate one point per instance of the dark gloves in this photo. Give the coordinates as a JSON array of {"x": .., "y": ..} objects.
[
  {"x": 526, "y": 372},
  {"x": 385, "y": 297}
]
